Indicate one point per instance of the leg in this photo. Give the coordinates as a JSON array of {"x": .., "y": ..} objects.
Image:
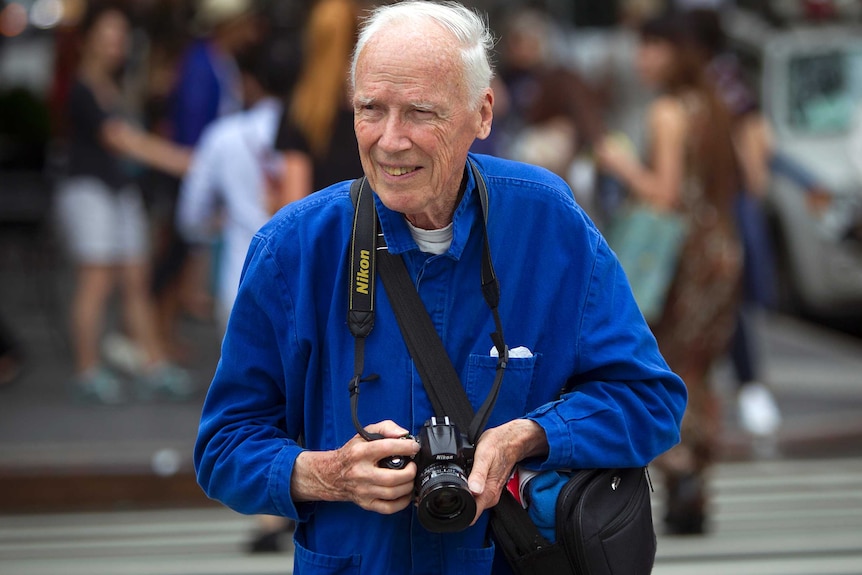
[
  {"x": 160, "y": 377},
  {"x": 138, "y": 311},
  {"x": 170, "y": 261},
  {"x": 87, "y": 211},
  {"x": 758, "y": 412},
  {"x": 93, "y": 289},
  {"x": 740, "y": 351},
  {"x": 685, "y": 466}
]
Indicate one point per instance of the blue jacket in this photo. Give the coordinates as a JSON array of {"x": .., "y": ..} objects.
[{"x": 287, "y": 358}]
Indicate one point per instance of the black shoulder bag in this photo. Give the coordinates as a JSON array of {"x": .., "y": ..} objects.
[{"x": 603, "y": 516}]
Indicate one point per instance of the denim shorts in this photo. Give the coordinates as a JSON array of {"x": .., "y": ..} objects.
[{"x": 100, "y": 225}]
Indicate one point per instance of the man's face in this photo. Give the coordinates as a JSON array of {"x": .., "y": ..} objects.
[{"x": 414, "y": 123}]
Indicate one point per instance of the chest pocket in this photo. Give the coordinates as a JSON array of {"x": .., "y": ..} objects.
[{"x": 517, "y": 385}]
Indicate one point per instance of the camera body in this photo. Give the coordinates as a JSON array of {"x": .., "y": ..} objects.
[{"x": 444, "y": 501}]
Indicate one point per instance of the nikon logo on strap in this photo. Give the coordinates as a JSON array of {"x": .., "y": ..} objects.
[{"x": 362, "y": 274}]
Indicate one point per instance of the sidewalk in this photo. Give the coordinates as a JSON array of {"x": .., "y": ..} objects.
[{"x": 58, "y": 454}]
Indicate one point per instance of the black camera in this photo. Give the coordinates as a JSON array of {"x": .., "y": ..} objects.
[{"x": 442, "y": 465}]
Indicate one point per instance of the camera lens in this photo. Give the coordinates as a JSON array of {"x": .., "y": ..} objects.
[{"x": 445, "y": 502}]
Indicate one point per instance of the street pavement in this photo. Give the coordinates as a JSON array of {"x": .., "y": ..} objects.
[{"x": 779, "y": 517}]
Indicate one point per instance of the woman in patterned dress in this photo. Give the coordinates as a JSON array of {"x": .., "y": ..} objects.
[{"x": 689, "y": 169}]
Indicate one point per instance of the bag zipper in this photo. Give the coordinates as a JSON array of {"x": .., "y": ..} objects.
[{"x": 623, "y": 517}]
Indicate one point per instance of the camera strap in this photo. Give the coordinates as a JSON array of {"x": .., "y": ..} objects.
[{"x": 369, "y": 254}]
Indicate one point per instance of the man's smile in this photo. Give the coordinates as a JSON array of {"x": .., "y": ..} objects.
[{"x": 399, "y": 170}]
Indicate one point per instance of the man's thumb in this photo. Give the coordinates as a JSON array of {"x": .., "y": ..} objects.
[{"x": 476, "y": 483}]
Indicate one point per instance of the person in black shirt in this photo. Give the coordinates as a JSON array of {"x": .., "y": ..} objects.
[
  {"x": 102, "y": 216},
  {"x": 316, "y": 135}
]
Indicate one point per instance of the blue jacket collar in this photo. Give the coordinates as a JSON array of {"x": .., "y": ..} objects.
[{"x": 397, "y": 233}]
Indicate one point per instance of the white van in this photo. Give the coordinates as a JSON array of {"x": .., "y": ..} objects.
[{"x": 810, "y": 83}]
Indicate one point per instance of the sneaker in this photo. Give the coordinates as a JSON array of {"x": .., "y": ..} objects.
[
  {"x": 166, "y": 381},
  {"x": 99, "y": 385},
  {"x": 758, "y": 412},
  {"x": 122, "y": 353}
]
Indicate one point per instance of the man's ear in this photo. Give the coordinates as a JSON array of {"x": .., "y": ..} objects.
[{"x": 486, "y": 114}]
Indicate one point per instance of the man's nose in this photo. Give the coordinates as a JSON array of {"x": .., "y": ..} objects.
[{"x": 394, "y": 137}]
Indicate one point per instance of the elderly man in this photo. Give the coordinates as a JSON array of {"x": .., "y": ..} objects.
[{"x": 276, "y": 433}]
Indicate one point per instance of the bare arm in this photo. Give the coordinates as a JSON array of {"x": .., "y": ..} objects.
[
  {"x": 296, "y": 179},
  {"x": 660, "y": 183},
  {"x": 156, "y": 152},
  {"x": 753, "y": 141}
]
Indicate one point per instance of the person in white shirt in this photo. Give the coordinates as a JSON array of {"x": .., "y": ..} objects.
[
  {"x": 231, "y": 190},
  {"x": 227, "y": 191}
]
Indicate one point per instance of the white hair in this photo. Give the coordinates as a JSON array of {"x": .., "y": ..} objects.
[{"x": 470, "y": 30}]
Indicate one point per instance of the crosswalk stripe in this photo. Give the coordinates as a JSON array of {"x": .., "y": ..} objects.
[
  {"x": 769, "y": 517},
  {"x": 775, "y": 517}
]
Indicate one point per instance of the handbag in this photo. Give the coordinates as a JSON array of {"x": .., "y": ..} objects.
[
  {"x": 603, "y": 516},
  {"x": 603, "y": 526},
  {"x": 648, "y": 244}
]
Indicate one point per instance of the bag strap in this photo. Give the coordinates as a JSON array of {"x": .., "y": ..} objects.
[
  {"x": 369, "y": 251},
  {"x": 527, "y": 551}
]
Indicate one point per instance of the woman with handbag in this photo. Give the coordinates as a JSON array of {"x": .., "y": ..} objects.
[{"x": 689, "y": 171}]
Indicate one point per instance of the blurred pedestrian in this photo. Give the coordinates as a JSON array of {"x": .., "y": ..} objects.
[
  {"x": 208, "y": 80},
  {"x": 553, "y": 113},
  {"x": 757, "y": 409},
  {"x": 102, "y": 215},
  {"x": 232, "y": 189},
  {"x": 690, "y": 169},
  {"x": 208, "y": 85},
  {"x": 316, "y": 135},
  {"x": 225, "y": 190},
  {"x": 624, "y": 99},
  {"x": 316, "y": 142},
  {"x": 758, "y": 159}
]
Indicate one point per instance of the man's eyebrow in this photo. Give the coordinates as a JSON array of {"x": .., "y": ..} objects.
[{"x": 362, "y": 100}]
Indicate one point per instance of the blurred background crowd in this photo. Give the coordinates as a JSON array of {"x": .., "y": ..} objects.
[{"x": 145, "y": 141}]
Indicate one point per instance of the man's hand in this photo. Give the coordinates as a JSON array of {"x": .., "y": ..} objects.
[
  {"x": 497, "y": 452},
  {"x": 352, "y": 473}
]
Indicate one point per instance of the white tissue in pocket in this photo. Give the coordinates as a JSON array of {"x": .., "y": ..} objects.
[{"x": 519, "y": 351}]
